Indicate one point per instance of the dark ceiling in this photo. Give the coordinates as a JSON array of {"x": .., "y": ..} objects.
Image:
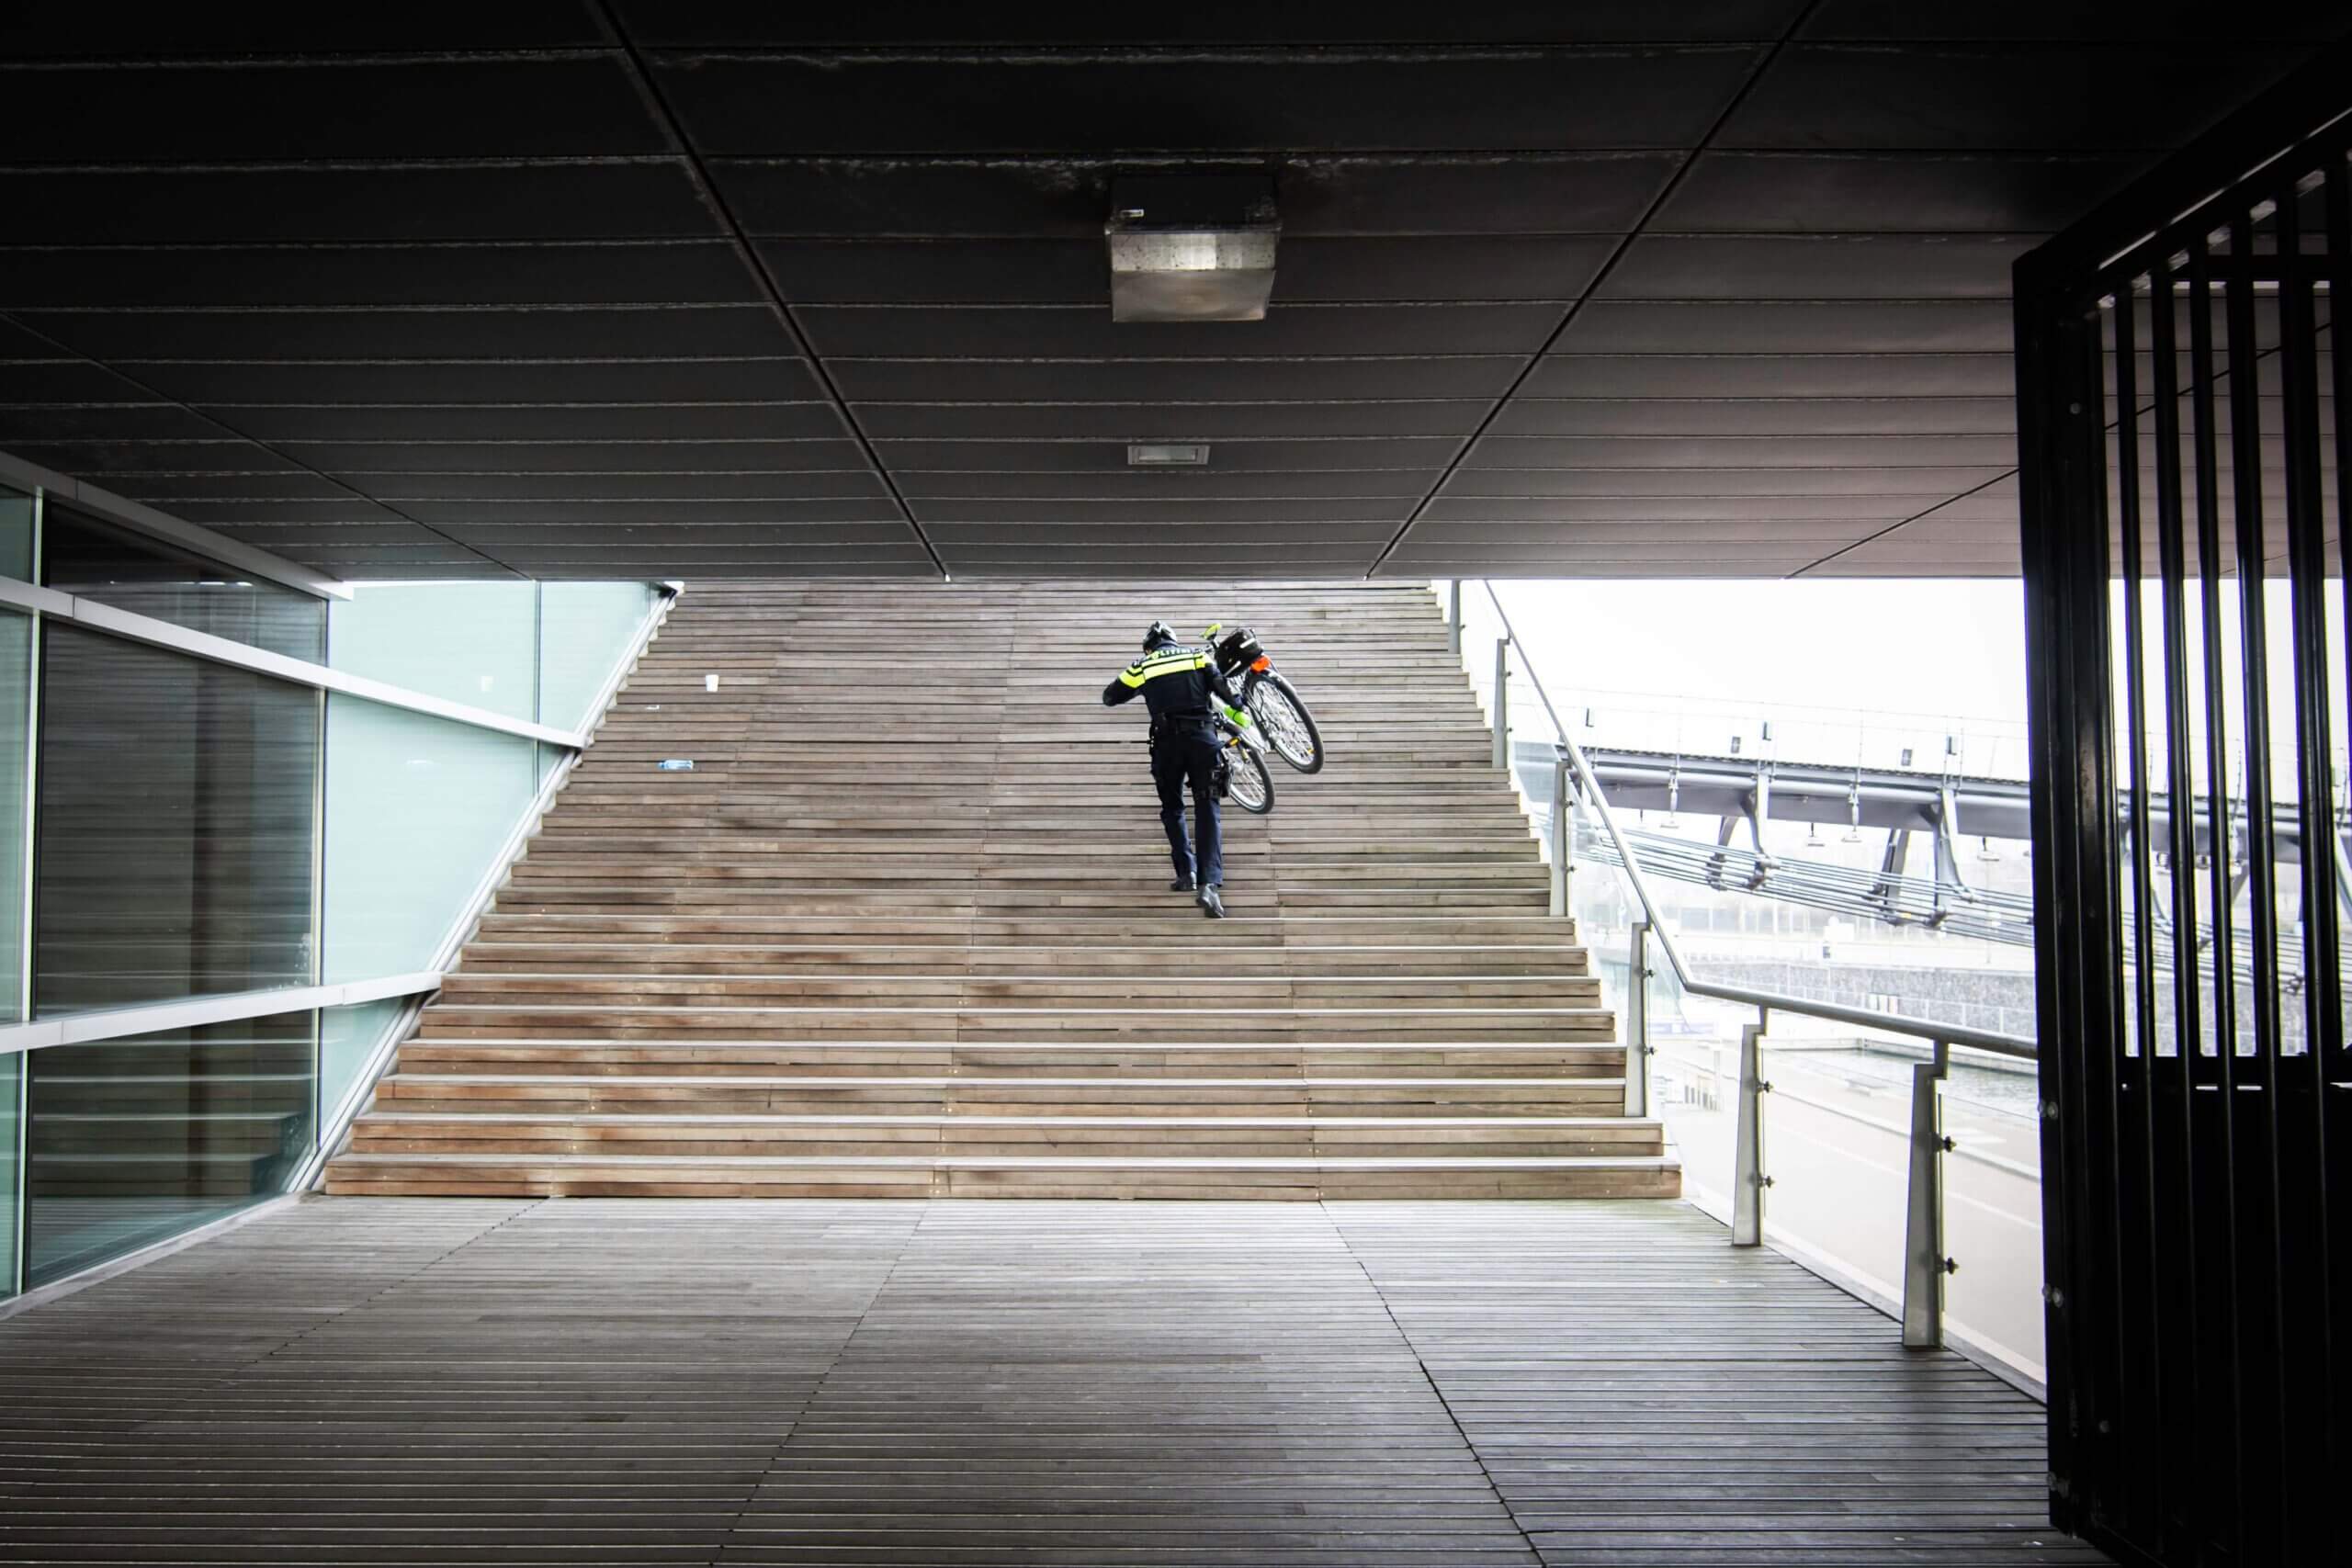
[{"x": 682, "y": 288}]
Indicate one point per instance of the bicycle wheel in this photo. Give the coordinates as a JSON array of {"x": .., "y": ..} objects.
[
  {"x": 1290, "y": 728},
  {"x": 1246, "y": 783}
]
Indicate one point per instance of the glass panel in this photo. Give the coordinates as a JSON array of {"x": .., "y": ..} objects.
[
  {"x": 15, "y": 717},
  {"x": 416, "y": 807},
  {"x": 585, "y": 627},
  {"x": 470, "y": 642},
  {"x": 347, "y": 1036},
  {"x": 177, "y": 808},
  {"x": 131, "y": 1141},
  {"x": 1993, "y": 1211},
  {"x": 16, "y": 534},
  {"x": 1838, "y": 1148},
  {"x": 1694, "y": 1082},
  {"x": 11, "y": 1078},
  {"x": 82, "y": 556}
]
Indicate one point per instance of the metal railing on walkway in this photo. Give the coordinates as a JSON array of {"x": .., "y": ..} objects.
[{"x": 1576, "y": 787}]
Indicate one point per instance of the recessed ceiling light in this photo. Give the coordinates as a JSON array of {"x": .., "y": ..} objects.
[{"x": 1165, "y": 455}]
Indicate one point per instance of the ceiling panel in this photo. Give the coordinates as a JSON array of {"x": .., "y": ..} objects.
[
  {"x": 743, "y": 24},
  {"x": 1067, "y": 198},
  {"x": 1423, "y": 328},
  {"x": 1772, "y": 193},
  {"x": 441, "y": 291},
  {"x": 2092, "y": 96},
  {"x": 1237, "y": 100},
  {"x": 991, "y": 272},
  {"x": 1772, "y": 375},
  {"x": 317, "y": 106}
]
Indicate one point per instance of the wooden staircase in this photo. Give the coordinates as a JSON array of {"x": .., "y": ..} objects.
[{"x": 903, "y": 931}]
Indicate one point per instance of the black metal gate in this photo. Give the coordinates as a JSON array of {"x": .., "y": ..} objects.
[{"x": 2187, "y": 544}]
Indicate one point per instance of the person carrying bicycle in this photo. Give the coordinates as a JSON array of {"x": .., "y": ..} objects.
[{"x": 1178, "y": 684}]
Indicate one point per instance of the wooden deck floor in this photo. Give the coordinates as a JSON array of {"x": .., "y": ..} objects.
[{"x": 613, "y": 1382}]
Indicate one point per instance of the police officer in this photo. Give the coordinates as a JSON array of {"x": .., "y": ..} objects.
[{"x": 1178, "y": 683}]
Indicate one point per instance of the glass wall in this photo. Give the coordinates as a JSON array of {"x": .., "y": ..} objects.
[
  {"x": 174, "y": 827},
  {"x": 471, "y": 642},
  {"x": 16, "y": 534},
  {"x": 347, "y": 1038},
  {"x": 178, "y": 801},
  {"x": 92, "y": 559},
  {"x": 417, "y": 807},
  {"x": 130, "y": 1140},
  {"x": 584, "y": 626}
]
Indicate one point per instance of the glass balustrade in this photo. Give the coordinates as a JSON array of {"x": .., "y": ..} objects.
[{"x": 1837, "y": 1138}]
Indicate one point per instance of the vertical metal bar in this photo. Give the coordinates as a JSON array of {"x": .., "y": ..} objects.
[
  {"x": 2250, "y": 1178},
  {"x": 2204, "y": 443},
  {"x": 2180, "y": 777},
  {"x": 1567, "y": 844},
  {"x": 2307, "y": 574},
  {"x": 2335, "y": 1157},
  {"x": 2254, "y": 652},
  {"x": 2293, "y": 1106},
  {"x": 1502, "y": 699},
  {"x": 2171, "y": 1136},
  {"x": 1560, "y": 836},
  {"x": 2135, "y": 685},
  {"x": 2135, "y": 1227},
  {"x": 1924, "y": 1262},
  {"x": 1637, "y": 1020},
  {"x": 1453, "y": 615},
  {"x": 2213, "y": 1078},
  {"x": 1748, "y": 1178},
  {"x": 2063, "y": 539},
  {"x": 319, "y": 912}
]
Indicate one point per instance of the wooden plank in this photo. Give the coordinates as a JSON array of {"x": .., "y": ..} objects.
[{"x": 1363, "y": 1384}]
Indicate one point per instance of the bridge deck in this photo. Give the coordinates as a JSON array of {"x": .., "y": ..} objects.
[{"x": 606, "y": 1382}]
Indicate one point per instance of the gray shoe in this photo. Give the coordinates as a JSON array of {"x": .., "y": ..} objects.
[
  {"x": 1181, "y": 885},
  {"x": 1211, "y": 905}
]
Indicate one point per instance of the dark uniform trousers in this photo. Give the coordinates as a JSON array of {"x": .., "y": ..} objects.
[{"x": 1184, "y": 752}]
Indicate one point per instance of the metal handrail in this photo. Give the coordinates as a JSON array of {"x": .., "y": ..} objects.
[{"x": 1589, "y": 785}]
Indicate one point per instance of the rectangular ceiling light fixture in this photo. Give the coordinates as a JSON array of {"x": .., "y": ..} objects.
[
  {"x": 1192, "y": 247},
  {"x": 1166, "y": 454}
]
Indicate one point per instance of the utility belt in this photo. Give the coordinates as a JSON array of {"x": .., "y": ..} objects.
[{"x": 1167, "y": 724}]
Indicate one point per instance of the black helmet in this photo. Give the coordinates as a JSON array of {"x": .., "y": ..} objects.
[{"x": 1159, "y": 634}]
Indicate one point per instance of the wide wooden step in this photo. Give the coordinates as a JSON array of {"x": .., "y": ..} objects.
[{"x": 1306, "y": 1179}]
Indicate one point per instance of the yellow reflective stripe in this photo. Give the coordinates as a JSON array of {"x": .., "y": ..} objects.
[{"x": 1136, "y": 675}]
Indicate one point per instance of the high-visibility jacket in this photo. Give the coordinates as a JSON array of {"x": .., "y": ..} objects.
[{"x": 1175, "y": 682}]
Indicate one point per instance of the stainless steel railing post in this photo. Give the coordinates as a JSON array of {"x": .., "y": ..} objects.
[
  {"x": 1563, "y": 838},
  {"x": 1748, "y": 1178},
  {"x": 1502, "y": 700},
  {"x": 1924, "y": 1263},
  {"x": 1453, "y": 616},
  {"x": 1638, "y": 1021}
]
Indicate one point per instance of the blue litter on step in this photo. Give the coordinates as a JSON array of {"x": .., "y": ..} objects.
[{"x": 676, "y": 765}]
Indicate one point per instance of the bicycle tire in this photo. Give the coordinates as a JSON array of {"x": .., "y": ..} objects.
[
  {"x": 1289, "y": 727},
  {"x": 1247, "y": 783}
]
